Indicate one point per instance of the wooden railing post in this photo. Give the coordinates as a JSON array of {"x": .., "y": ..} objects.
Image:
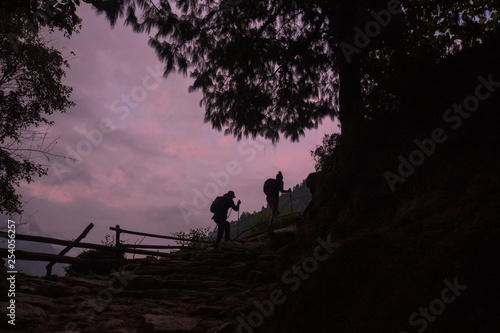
[
  {"x": 69, "y": 247},
  {"x": 117, "y": 241},
  {"x": 117, "y": 237}
]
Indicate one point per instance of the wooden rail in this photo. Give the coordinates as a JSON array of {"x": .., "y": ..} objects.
[
  {"x": 56, "y": 241},
  {"x": 69, "y": 247},
  {"x": 40, "y": 239},
  {"x": 35, "y": 256},
  {"x": 119, "y": 248},
  {"x": 119, "y": 231}
]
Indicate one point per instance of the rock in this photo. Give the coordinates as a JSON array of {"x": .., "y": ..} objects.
[
  {"x": 256, "y": 276},
  {"x": 206, "y": 310},
  {"x": 257, "y": 245},
  {"x": 36, "y": 300},
  {"x": 55, "y": 290},
  {"x": 26, "y": 314},
  {"x": 113, "y": 323},
  {"x": 224, "y": 328},
  {"x": 119, "y": 330},
  {"x": 280, "y": 239},
  {"x": 151, "y": 270},
  {"x": 187, "y": 256},
  {"x": 265, "y": 267},
  {"x": 90, "y": 283},
  {"x": 145, "y": 282},
  {"x": 268, "y": 257},
  {"x": 154, "y": 294},
  {"x": 171, "y": 324},
  {"x": 119, "y": 308},
  {"x": 79, "y": 290}
]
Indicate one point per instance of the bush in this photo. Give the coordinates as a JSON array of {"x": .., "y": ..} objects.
[
  {"x": 325, "y": 155},
  {"x": 98, "y": 269},
  {"x": 199, "y": 234}
]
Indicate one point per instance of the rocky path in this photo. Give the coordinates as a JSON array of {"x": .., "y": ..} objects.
[{"x": 203, "y": 291}]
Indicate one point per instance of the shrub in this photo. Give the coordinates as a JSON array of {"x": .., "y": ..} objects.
[
  {"x": 98, "y": 269},
  {"x": 198, "y": 234},
  {"x": 324, "y": 155}
]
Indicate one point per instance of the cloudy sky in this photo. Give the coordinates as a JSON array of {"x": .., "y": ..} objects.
[{"x": 145, "y": 158}]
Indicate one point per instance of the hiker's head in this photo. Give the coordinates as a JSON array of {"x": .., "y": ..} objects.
[
  {"x": 231, "y": 194},
  {"x": 279, "y": 176}
]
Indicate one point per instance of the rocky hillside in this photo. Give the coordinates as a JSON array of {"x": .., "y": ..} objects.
[
  {"x": 417, "y": 222},
  {"x": 204, "y": 291}
]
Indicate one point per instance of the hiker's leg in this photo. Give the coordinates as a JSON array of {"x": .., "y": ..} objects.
[
  {"x": 274, "y": 211},
  {"x": 273, "y": 220},
  {"x": 227, "y": 227},
  {"x": 220, "y": 232},
  {"x": 270, "y": 205}
]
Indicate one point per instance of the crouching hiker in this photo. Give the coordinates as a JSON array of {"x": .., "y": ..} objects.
[{"x": 220, "y": 207}]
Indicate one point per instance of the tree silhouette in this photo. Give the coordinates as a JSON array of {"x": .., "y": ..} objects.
[
  {"x": 31, "y": 74},
  {"x": 274, "y": 68}
]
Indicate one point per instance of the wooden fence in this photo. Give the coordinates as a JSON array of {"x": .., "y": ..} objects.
[
  {"x": 120, "y": 231},
  {"x": 119, "y": 247}
]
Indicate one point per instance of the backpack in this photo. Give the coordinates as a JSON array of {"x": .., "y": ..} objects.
[
  {"x": 269, "y": 186},
  {"x": 218, "y": 205}
]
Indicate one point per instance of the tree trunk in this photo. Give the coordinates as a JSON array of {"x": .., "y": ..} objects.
[
  {"x": 351, "y": 119},
  {"x": 350, "y": 95}
]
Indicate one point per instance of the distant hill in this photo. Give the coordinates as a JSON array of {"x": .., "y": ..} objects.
[
  {"x": 35, "y": 268},
  {"x": 38, "y": 268}
]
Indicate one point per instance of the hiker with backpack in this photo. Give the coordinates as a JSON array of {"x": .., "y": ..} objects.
[
  {"x": 220, "y": 207},
  {"x": 272, "y": 189}
]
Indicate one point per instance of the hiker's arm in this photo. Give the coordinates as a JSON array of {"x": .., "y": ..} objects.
[{"x": 236, "y": 207}]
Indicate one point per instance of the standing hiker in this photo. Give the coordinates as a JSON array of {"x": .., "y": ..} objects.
[
  {"x": 272, "y": 189},
  {"x": 220, "y": 207}
]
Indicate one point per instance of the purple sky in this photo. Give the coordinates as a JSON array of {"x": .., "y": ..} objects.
[{"x": 147, "y": 159}]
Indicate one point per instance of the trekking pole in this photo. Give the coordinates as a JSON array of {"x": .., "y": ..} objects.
[
  {"x": 238, "y": 221},
  {"x": 213, "y": 232}
]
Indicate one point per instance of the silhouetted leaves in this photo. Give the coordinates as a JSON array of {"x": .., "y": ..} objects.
[
  {"x": 31, "y": 74},
  {"x": 275, "y": 68}
]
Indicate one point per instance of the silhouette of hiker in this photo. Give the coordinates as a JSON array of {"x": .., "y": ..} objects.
[
  {"x": 220, "y": 207},
  {"x": 313, "y": 182},
  {"x": 272, "y": 189}
]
